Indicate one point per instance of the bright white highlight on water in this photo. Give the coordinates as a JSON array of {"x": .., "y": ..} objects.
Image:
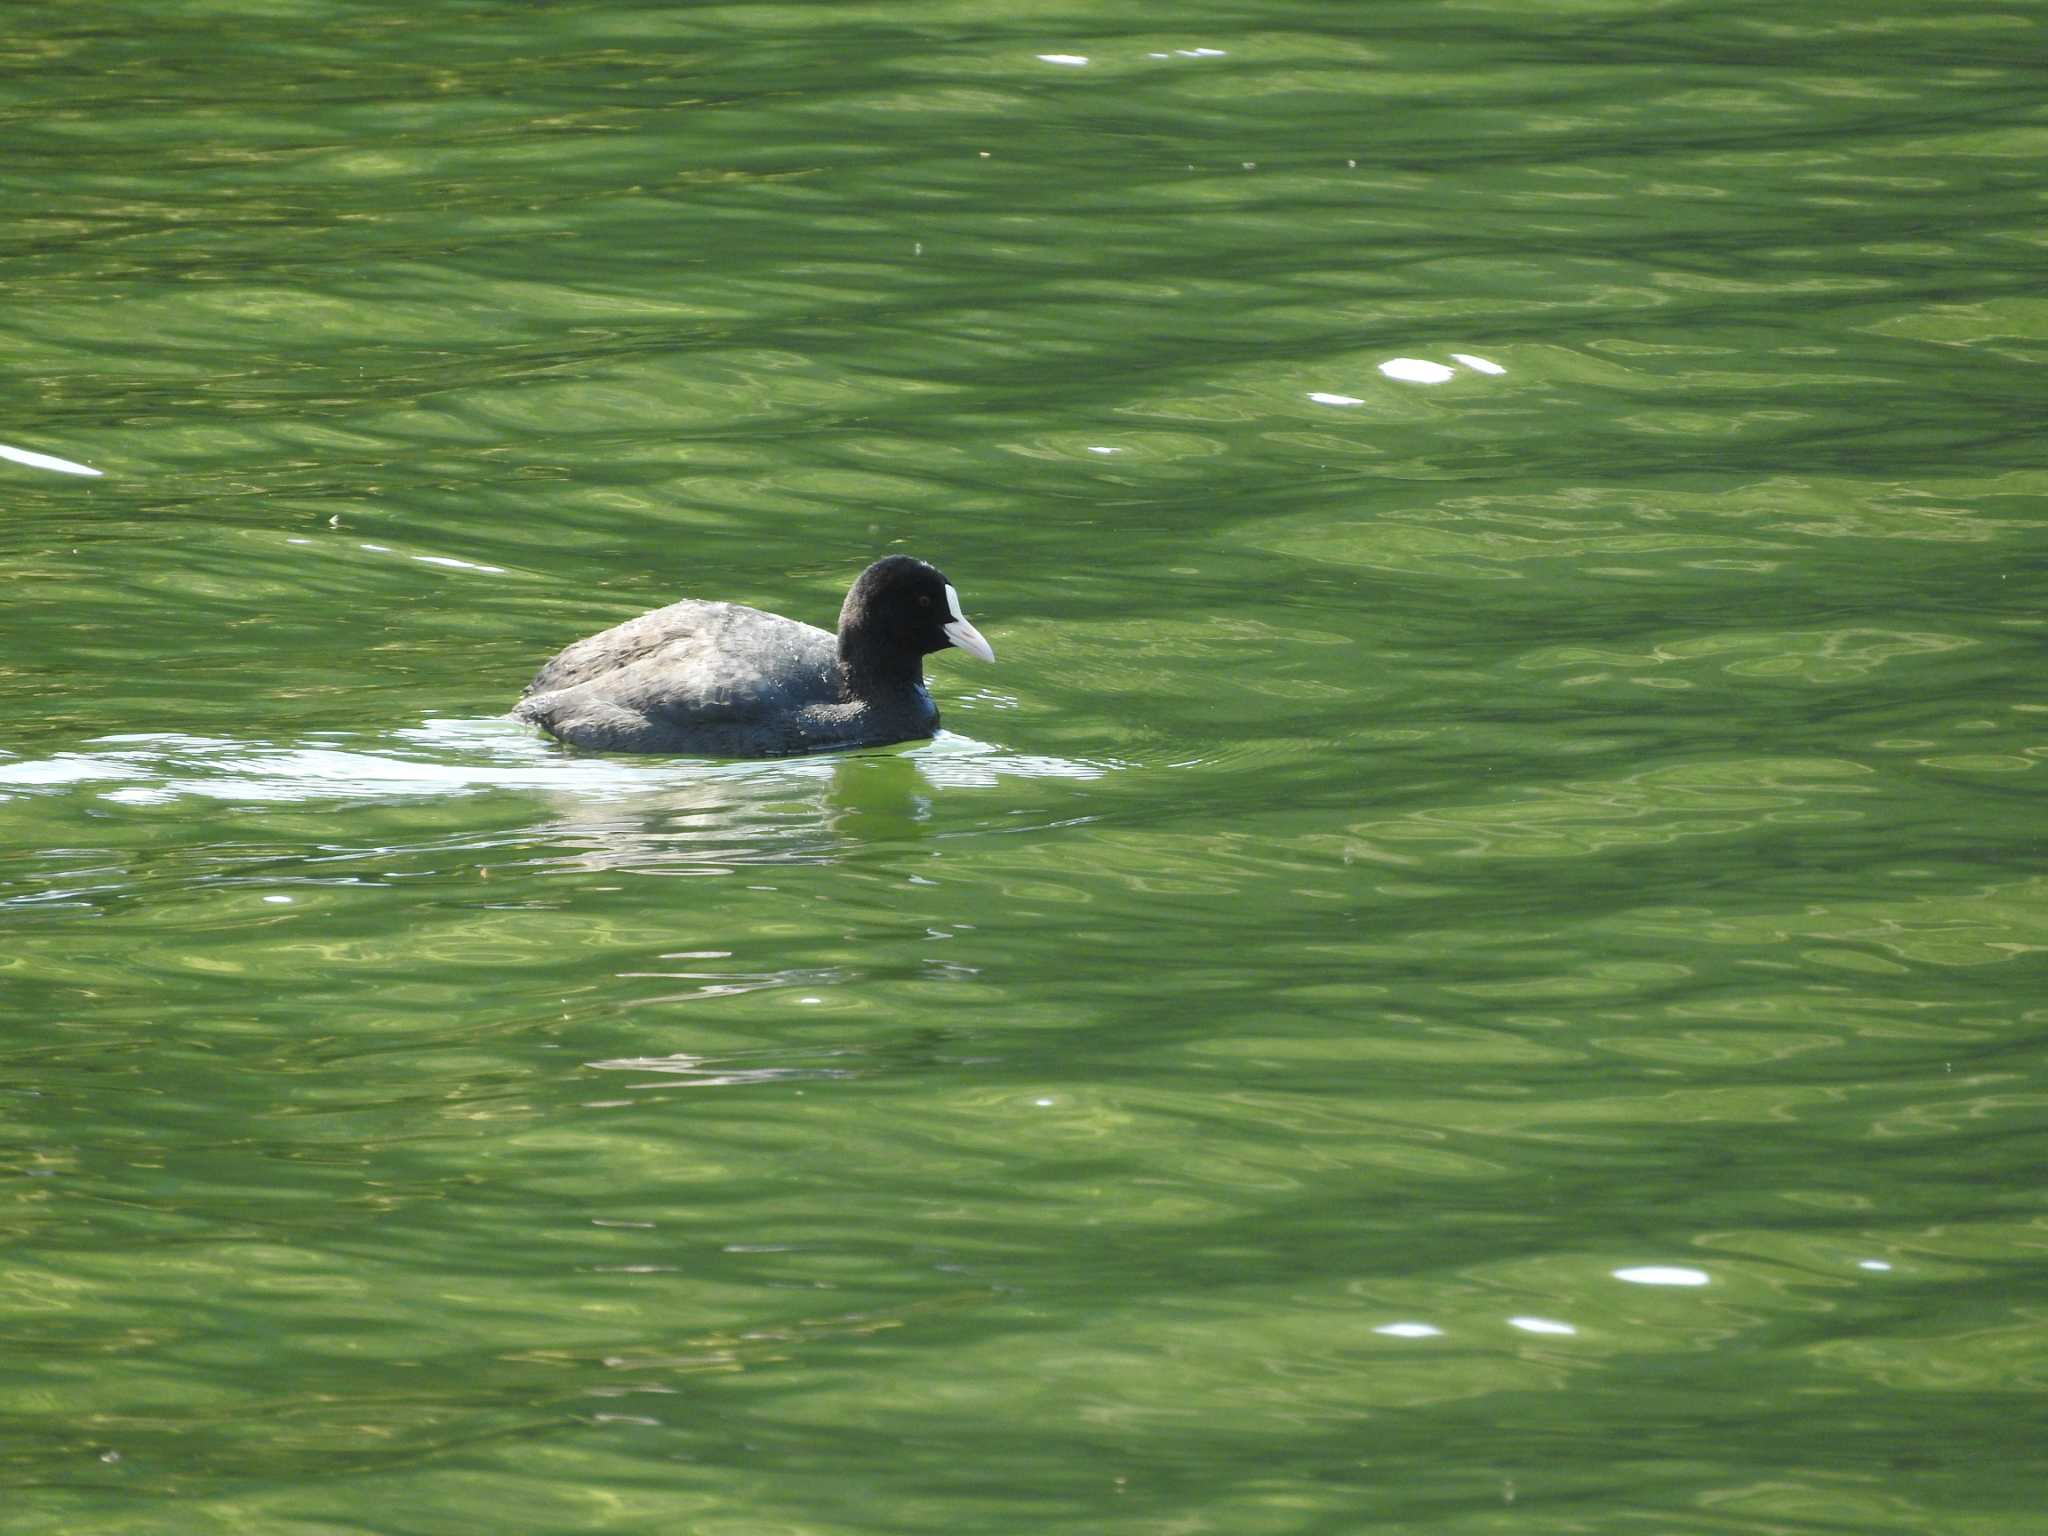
[
  {"x": 1094, "y": 448},
  {"x": 1064, "y": 58},
  {"x": 448, "y": 562},
  {"x": 1416, "y": 370},
  {"x": 453, "y": 757},
  {"x": 1872, "y": 1264},
  {"x": 1662, "y": 1274},
  {"x": 1409, "y": 1331},
  {"x": 36, "y": 460},
  {"x": 1199, "y": 53},
  {"x": 1540, "y": 1325},
  {"x": 1477, "y": 364},
  {"x": 278, "y": 901},
  {"x": 1322, "y": 399},
  {"x": 459, "y": 565},
  {"x": 683, "y": 1070}
]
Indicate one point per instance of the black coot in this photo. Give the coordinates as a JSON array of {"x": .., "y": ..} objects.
[{"x": 720, "y": 680}]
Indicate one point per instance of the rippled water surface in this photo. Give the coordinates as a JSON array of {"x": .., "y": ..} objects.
[{"x": 1476, "y": 965}]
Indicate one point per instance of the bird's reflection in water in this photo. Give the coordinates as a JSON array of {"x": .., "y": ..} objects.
[
  {"x": 688, "y": 817},
  {"x": 717, "y": 820}
]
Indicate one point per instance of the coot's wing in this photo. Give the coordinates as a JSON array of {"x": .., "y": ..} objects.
[
  {"x": 699, "y": 662},
  {"x": 681, "y": 630},
  {"x": 711, "y": 646}
]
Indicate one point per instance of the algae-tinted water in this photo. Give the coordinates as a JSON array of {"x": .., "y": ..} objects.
[{"x": 1475, "y": 967}]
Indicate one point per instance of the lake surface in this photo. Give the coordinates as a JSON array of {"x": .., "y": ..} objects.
[{"x": 1476, "y": 965}]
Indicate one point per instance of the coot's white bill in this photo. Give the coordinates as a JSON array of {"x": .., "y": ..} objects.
[{"x": 964, "y": 634}]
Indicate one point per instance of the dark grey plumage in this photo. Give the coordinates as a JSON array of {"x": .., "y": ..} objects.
[{"x": 722, "y": 680}]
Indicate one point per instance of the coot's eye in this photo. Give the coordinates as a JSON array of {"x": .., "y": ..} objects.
[{"x": 924, "y": 599}]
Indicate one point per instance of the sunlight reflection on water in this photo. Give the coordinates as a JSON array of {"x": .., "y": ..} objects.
[
  {"x": 34, "y": 460},
  {"x": 461, "y": 756}
]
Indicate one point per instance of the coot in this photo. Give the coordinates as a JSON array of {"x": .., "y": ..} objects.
[{"x": 721, "y": 680}]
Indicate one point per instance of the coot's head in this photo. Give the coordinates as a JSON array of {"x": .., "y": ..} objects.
[{"x": 899, "y": 611}]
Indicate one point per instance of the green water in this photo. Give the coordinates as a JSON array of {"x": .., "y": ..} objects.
[{"x": 1476, "y": 966}]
